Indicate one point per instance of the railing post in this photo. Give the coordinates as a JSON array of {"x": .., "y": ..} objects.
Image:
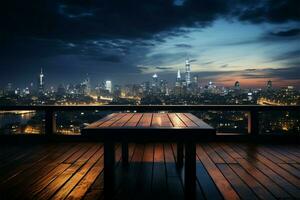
[
  {"x": 50, "y": 122},
  {"x": 253, "y": 122}
]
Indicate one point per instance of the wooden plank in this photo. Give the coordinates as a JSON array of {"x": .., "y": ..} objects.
[
  {"x": 280, "y": 171},
  {"x": 96, "y": 172},
  {"x": 75, "y": 179},
  {"x": 207, "y": 185},
  {"x": 297, "y": 166},
  {"x": 115, "y": 118},
  {"x": 197, "y": 121},
  {"x": 174, "y": 184},
  {"x": 187, "y": 121},
  {"x": 94, "y": 194},
  {"x": 145, "y": 179},
  {"x": 19, "y": 183},
  {"x": 275, "y": 177},
  {"x": 53, "y": 187},
  {"x": 212, "y": 154},
  {"x": 255, "y": 172},
  {"x": 17, "y": 167},
  {"x": 101, "y": 121},
  {"x": 134, "y": 120},
  {"x": 268, "y": 155},
  {"x": 35, "y": 176},
  {"x": 230, "y": 151},
  {"x": 52, "y": 175},
  {"x": 267, "y": 181},
  {"x": 176, "y": 121},
  {"x": 72, "y": 159},
  {"x": 146, "y": 120},
  {"x": 240, "y": 187},
  {"x": 221, "y": 182},
  {"x": 159, "y": 181},
  {"x": 161, "y": 120},
  {"x": 121, "y": 122},
  {"x": 288, "y": 167},
  {"x": 129, "y": 183},
  {"x": 285, "y": 153},
  {"x": 279, "y": 155},
  {"x": 256, "y": 187},
  {"x": 226, "y": 157}
]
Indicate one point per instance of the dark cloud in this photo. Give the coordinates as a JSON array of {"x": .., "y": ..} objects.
[
  {"x": 289, "y": 56},
  {"x": 163, "y": 68},
  {"x": 188, "y": 46},
  {"x": 287, "y": 33},
  {"x": 290, "y": 73},
  {"x": 250, "y": 69},
  {"x": 73, "y": 20},
  {"x": 111, "y": 58},
  {"x": 113, "y": 35},
  {"x": 274, "y": 11},
  {"x": 193, "y": 60}
]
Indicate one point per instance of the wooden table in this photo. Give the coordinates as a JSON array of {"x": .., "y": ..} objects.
[{"x": 182, "y": 128}]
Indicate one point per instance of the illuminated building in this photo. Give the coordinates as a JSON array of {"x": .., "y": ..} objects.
[
  {"x": 187, "y": 72},
  {"x": 87, "y": 86},
  {"x": 108, "y": 86},
  {"x": 154, "y": 80},
  {"x": 178, "y": 79},
  {"x": 41, "y": 81},
  {"x": 155, "y": 84}
]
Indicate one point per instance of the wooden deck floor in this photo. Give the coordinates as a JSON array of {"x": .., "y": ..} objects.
[{"x": 224, "y": 170}]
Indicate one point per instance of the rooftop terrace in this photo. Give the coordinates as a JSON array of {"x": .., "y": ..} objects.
[
  {"x": 224, "y": 170},
  {"x": 52, "y": 166}
]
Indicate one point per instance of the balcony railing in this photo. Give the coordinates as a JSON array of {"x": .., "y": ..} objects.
[{"x": 252, "y": 110}]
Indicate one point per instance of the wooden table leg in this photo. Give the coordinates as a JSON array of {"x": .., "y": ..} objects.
[
  {"x": 179, "y": 154},
  {"x": 125, "y": 153},
  {"x": 109, "y": 167},
  {"x": 190, "y": 171}
]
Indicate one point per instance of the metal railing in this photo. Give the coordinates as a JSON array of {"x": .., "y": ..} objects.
[{"x": 252, "y": 110}]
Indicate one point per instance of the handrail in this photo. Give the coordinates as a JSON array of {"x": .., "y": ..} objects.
[
  {"x": 253, "y": 111},
  {"x": 152, "y": 107}
]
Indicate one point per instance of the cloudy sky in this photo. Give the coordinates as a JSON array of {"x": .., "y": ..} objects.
[{"x": 127, "y": 41}]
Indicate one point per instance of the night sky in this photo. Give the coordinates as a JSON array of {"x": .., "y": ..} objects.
[{"x": 127, "y": 41}]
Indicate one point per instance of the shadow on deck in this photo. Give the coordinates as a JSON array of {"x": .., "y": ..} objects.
[{"x": 224, "y": 170}]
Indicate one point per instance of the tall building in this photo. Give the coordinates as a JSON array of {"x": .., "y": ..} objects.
[
  {"x": 155, "y": 80},
  {"x": 108, "y": 86},
  {"x": 87, "y": 85},
  {"x": 41, "y": 82},
  {"x": 9, "y": 87},
  {"x": 178, "y": 79},
  {"x": 187, "y": 72},
  {"x": 237, "y": 85},
  {"x": 195, "y": 79},
  {"x": 155, "y": 84},
  {"x": 269, "y": 84}
]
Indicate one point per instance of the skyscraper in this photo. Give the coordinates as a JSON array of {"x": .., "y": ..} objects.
[
  {"x": 41, "y": 81},
  {"x": 87, "y": 85},
  {"x": 155, "y": 81},
  {"x": 269, "y": 84},
  {"x": 108, "y": 86},
  {"x": 237, "y": 85},
  {"x": 178, "y": 79},
  {"x": 187, "y": 72}
]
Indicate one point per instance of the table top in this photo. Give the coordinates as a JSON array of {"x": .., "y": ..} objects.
[{"x": 150, "y": 121}]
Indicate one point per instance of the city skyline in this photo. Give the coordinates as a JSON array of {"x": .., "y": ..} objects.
[
  {"x": 186, "y": 80},
  {"x": 226, "y": 41}
]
